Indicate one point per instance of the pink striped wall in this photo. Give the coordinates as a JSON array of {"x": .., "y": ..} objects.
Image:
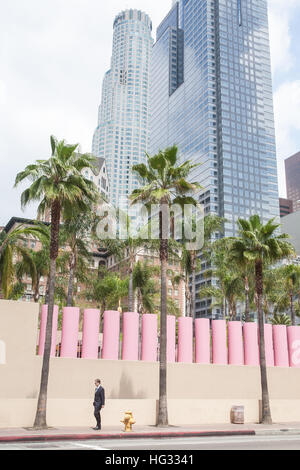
[
  {"x": 69, "y": 334},
  {"x": 202, "y": 341},
  {"x": 227, "y": 342},
  {"x": 171, "y": 338},
  {"x": 281, "y": 353},
  {"x": 251, "y": 349},
  {"x": 149, "y": 338},
  {"x": 219, "y": 342},
  {"x": 235, "y": 343},
  {"x": 185, "y": 339},
  {"x": 130, "y": 336},
  {"x": 293, "y": 333},
  {"x": 111, "y": 335},
  {"x": 90, "y": 334}
]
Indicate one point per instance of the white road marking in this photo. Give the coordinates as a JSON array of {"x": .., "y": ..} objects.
[
  {"x": 94, "y": 447},
  {"x": 202, "y": 441}
]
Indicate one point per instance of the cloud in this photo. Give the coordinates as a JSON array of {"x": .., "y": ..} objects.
[
  {"x": 2, "y": 93},
  {"x": 287, "y": 123},
  {"x": 280, "y": 13},
  {"x": 53, "y": 56},
  {"x": 287, "y": 90}
]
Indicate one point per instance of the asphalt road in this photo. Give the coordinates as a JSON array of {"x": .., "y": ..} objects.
[{"x": 204, "y": 443}]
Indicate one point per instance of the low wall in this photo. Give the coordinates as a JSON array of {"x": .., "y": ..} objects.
[{"x": 197, "y": 394}]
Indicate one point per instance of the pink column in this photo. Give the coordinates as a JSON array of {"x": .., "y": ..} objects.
[
  {"x": 269, "y": 345},
  {"x": 235, "y": 343},
  {"x": 149, "y": 338},
  {"x": 281, "y": 354},
  {"x": 111, "y": 335},
  {"x": 171, "y": 338},
  {"x": 251, "y": 350},
  {"x": 69, "y": 334},
  {"x": 130, "y": 336},
  {"x": 219, "y": 342},
  {"x": 43, "y": 325},
  {"x": 185, "y": 339},
  {"x": 202, "y": 334},
  {"x": 293, "y": 333},
  {"x": 90, "y": 334}
]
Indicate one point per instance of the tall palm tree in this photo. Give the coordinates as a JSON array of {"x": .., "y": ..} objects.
[
  {"x": 165, "y": 183},
  {"x": 261, "y": 244},
  {"x": 58, "y": 185},
  {"x": 11, "y": 247}
]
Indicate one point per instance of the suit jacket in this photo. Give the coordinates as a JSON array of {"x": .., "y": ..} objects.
[{"x": 99, "y": 399}]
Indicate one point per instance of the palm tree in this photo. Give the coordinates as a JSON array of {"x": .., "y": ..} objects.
[
  {"x": 11, "y": 247},
  {"x": 77, "y": 231},
  {"x": 230, "y": 287},
  {"x": 124, "y": 250},
  {"x": 261, "y": 244},
  {"x": 40, "y": 259},
  {"x": 108, "y": 291},
  {"x": 291, "y": 276},
  {"x": 212, "y": 224},
  {"x": 281, "y": 320},
  {"x": 228, "y": 292},
  {"x": 165, "y": 183},
  {"x": 145, "y": 286},
  {"x": 58, "y": 184}
]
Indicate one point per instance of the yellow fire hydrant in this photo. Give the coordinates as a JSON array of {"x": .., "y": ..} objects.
[{"x": 128, "y": 421}]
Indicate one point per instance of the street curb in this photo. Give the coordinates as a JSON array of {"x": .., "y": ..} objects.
[
  {"x": 147, "y": 435},
  {"x": 278, "y": 432}
]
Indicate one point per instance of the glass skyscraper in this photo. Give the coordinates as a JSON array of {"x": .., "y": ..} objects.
[
  {"x": 122, "y": 135},
  {"x": 212, "y": 96}
]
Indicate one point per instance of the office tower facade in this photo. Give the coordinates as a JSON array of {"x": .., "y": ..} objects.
[
  {"x": 212, "y": 96},
  {"x": 122, "y": 134},
  {"x": 285, "y": 206},
  {"x": 292, "y": 172},
  {"x": 99, "y": 177}
]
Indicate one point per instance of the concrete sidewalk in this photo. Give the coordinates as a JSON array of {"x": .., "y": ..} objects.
[{"x": 142, "y": 432}]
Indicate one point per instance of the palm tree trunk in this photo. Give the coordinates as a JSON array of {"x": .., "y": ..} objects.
[
  {"x": 293, "y": 316},
  {"x": 162, "y": 404},
  {"x": 224, "y": 308},
  {"x": 47, "y": 291},
  {"x": 247, "y": 302},
  {"x": 36, "y": 294},
  {"x": 71, "y": 283},
  {"x": 266, "y": 411},
  {"x": 193, "y": 306},
  {"x": 41, "y": 413},
  {"x": 187, "y": 298},
  {"x": 163, "y": 410},
  {"x": 130, "y": 291}
]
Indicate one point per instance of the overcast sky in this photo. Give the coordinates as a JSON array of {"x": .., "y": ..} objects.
[{"x": 53, "y": 55}]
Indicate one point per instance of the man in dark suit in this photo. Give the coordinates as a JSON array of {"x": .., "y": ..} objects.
[{"x": 99, "y": 402}]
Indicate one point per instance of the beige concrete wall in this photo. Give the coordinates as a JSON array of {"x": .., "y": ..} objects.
[{"x": 197, "y": 394}]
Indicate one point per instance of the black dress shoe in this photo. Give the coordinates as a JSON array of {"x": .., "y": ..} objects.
[{"x": 97, "y": 429}]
